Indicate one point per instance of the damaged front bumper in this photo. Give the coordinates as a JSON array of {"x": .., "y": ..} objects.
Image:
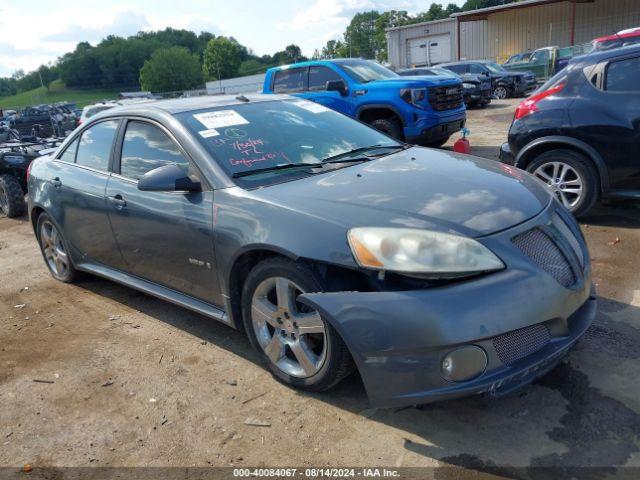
[{"x": 521, "y": 317}]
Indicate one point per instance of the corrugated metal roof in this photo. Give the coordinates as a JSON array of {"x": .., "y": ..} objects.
[
  {"x": 421, "y": 24},
  {"x": 512, "y": 6}
]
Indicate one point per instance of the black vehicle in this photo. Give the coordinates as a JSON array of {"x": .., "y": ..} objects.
[
  {"x": 476, "y": 88},
  {"x": 580, "y": 132},
  {"x": 44, "y": 121},
  {"x": 16, "y": 154},
  {"x": 505, "y": 84}
]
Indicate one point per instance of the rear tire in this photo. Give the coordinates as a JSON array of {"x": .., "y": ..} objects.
[
  {"x": 55, "y": 250},
  {"x": 12, "y": 202},
  {"x": 571, "y": 176},
  {"x": 274, "y": 322},
  {"x": 390, "y": 126}
]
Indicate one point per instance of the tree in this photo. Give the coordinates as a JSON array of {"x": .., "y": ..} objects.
[
  {"x": 390, "y": 19},
  {"x": 251, "y": 67},
  {"x": 171, "y": 69},
  {"x": 360, "y": 35},
  {"x": 222, "y": 58},
  {"x": 334, "y": 49}
]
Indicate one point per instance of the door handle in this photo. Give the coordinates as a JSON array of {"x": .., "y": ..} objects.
[
  {"x": 56, "y": 182},
  {"x": 118, "y": 201}
]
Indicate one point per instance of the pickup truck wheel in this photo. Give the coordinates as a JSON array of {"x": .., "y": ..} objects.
[
  {"x": 391, "y": 127},
  {"x": 500, "y": 92},
  {"x": 297, "y": 344},
  {"x": 11, "y": 197},
  {"x": 570, "y": 176}
]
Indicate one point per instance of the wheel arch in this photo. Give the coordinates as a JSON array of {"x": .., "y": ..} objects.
[
  {"x": 541, "y": 145},
  {"x": 34, "y": 214},
  {"x": 241, "y": 265},
  {"x": 373, "y": 111}
]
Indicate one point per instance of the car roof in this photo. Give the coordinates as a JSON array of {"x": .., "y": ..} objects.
[
  {"x": 179, "y": 105},
  {"x": 629, "y": 33},
  {"x": 596, "y": 57},
  {"x": 311, "y": 63}
]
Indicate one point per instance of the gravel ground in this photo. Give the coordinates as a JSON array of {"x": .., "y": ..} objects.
[{"x": 95, "y": 374}]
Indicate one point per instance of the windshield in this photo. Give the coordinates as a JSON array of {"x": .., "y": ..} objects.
[
  {"x": 365, "y": 71},
  {"x": 263, "y": 135},
  {"x": 495, "y": 68}
]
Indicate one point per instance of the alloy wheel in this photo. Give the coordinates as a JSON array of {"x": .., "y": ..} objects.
[
  {"x": 500, "y": 93},
  {"x": 291, "y": 335},
  {"x": 563, "y": 180},
  {"x": 54, "y": 252}
]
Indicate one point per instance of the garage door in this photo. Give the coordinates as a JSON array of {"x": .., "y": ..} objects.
[{"x": 429, "y": 50}]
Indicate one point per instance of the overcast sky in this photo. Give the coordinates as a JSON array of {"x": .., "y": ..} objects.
[{"x": 36, "y": 31}]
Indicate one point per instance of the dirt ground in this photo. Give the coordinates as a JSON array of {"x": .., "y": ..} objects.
[{"x": 135, "y": 381}]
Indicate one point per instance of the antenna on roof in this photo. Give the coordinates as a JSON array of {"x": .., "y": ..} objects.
[{"x": 242, "y": 98}]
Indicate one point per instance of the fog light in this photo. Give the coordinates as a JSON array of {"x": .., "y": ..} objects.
[{"x": 464, "y": 363}]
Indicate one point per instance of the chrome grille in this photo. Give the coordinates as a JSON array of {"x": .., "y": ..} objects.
[
  {"x": 513, "y": 346},
  {"x": 539, "y": 247}
]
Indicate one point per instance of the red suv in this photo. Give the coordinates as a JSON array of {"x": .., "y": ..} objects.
[{"x": 620, "y": 39}]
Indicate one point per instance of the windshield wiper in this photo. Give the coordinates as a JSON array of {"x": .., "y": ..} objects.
[
  {"x": 361, "y": 150},
  {"x": 282, "y": 166}
]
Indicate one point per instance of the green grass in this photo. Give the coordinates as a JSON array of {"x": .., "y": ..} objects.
[{"x": 58, "y": 92}]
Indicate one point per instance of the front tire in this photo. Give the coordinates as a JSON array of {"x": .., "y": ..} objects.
[
  {"x": 54, "y": 250},
  {"x": 570, "y": 176},
  {"x": 500, "y": 92},
  {"x": 12, "y": 202},
  {"x": 390, "y": 126},
  {"x": 299, "y": 347}
]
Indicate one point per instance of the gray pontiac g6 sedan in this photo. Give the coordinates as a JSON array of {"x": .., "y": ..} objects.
[{"x": 333, "y": 246}]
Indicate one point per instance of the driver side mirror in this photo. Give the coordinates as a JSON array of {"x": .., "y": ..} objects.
[
  {"x": 169, "y": 178},
  {"x": 337, "y": 86}
]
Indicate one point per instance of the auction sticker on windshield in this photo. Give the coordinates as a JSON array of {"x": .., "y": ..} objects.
[
  {"x": 311, "y": 106},
  {"x": 220, "y": 118}
]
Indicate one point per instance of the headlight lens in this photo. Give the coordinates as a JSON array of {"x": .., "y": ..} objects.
[
  {"x": 469, "y": 85},
  {"x": 423, "y": 252},
  {"x": 414, "y": 96}
]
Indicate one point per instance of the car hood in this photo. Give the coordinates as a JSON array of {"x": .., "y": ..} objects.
[
  {"x": 417, "y": 188},
  {"x": 414, "y": 81}
]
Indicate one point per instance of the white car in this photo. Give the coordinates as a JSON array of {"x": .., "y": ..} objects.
[{"x": 91, "y": 110}]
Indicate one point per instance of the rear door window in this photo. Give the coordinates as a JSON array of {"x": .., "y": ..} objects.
[
  {"x": 623, "y": 75},
  {"x": 319, "y": 76},
  {"x": 290, "y": 80},
  {"x": 95, "y": 145}
]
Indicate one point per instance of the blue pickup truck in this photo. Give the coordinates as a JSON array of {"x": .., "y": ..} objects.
[{"x": 424, "y": 110}]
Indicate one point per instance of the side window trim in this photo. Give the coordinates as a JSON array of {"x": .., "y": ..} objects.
[{"x": 120, "y": 142}]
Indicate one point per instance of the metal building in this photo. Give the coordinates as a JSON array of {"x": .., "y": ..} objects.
[{"x": 498, "y": 32}]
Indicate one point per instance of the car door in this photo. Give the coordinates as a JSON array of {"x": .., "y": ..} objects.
[
  {"x": 319, "y": 76},
  {"x": 621, "y": 142},
  {"x": 77, "y": 185},
  {"x": 164, "y": 237}
]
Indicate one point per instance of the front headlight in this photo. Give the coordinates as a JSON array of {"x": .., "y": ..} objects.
[
  {"x": 414, "y": 96},
  {"x": 469, "y": 85},
  {"x": 421, "y": 252}
]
